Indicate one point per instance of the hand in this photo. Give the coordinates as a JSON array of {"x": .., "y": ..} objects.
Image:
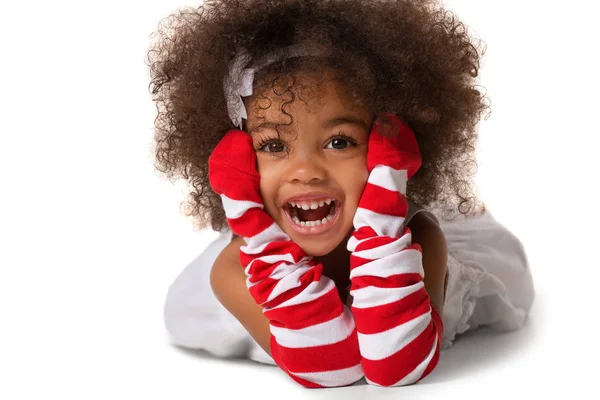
[
  {"x": 392, "y": 158},
  {"x": 392, "y": 143},
  {"x": 233, "y": 163},
  {"x": 233, "y": 174}
]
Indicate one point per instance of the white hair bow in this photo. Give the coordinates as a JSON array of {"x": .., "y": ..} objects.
[{"x": 238, "y": 82}]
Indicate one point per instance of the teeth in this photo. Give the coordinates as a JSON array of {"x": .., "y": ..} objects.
[
  {"x": 311, "y": 205},
  {"x": 323, "y": 221}
]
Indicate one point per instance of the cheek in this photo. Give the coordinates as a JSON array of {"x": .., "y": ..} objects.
[
  {"x": 355, "y": 178},
  {"x": 268, "y": 185}
]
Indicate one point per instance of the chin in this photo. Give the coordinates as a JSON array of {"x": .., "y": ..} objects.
[
  {"x": 320, "y": 247},
  {"x": 315, "y": 249}
]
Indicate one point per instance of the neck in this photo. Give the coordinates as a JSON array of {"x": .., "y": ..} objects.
[{"x": 336, "y": 264}]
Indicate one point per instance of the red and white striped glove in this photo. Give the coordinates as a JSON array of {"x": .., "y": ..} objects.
[
  {"x": 399, "y": 332},
  {"x": 313, "y": 336}
]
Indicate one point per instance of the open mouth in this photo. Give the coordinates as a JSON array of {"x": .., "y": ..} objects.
[{"x": 312, "y": 216}]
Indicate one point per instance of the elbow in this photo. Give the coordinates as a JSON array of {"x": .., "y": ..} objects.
[
  {"x": 386, "y": 377},
  {"x": 330, "y": 379},
  {"x": 336, "y": 365},
  {"x": 409, "y": 364}
]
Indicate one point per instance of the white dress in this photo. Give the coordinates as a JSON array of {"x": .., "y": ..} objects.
[{"x": 489, "y": 283}]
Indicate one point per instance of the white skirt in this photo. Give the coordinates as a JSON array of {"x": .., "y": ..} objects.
[{"x": 489, "y": 284}]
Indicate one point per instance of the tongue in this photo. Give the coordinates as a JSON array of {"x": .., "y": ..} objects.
[{"x": 314, "y": 215}]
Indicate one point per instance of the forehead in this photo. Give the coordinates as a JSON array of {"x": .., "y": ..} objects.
[{"x": 308, "y": 94}]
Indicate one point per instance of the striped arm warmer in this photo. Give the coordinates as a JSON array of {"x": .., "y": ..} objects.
[
  {"x": 313, "y": 335},
  {"x": 399, "y": 332}
]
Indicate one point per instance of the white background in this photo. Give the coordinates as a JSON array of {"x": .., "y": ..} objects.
[{"x": 91, "y": 237}]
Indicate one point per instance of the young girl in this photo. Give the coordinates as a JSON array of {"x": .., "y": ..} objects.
[{"x": 329, "y": 143}]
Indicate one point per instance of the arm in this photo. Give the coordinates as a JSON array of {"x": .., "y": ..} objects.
[
  {"x": 228, "y": 283},
  {"x": 434, "y": 251},
  {"x": 400, "y": 333},
  {"x": 313, "y": 335}
]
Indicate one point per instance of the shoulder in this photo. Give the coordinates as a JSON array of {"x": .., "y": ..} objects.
[
  {"x": 428, "y": 234},
  {"x": 426, "y": 230},
  {"x": 226, "y": 270},
  {"x": 230, "y": 252}
]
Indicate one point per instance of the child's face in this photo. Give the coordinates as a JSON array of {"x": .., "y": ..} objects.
[{"x": 320, "y": 157}]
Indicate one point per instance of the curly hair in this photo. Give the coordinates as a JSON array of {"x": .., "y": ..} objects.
[{"x": 409, "y": 57}]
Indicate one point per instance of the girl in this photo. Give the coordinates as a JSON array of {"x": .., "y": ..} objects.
[{"x": 328, "y": 142}]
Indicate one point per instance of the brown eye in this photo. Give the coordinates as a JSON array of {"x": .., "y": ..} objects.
[
  {"x": 272, "y": 146},
  {"x": 341, "y": 142}
]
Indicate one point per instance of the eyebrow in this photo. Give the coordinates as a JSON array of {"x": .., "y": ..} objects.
[{"x": 327, "y": 124}]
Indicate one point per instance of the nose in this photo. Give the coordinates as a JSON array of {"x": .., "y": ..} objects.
[{"x": 305, "y": 167}]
